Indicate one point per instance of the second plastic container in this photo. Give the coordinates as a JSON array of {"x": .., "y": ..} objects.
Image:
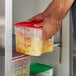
[{"x": 21, "y": 66}]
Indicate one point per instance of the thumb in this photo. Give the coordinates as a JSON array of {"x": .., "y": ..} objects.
[{"x": 38, "y": 25}]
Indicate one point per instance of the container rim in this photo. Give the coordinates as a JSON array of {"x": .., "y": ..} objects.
[
  {"x": 26, "y": 24},
  {"x": 20, "y": 57}
]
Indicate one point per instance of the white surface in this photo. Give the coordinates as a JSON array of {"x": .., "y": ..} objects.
[
  {"x": 8, "y": 37},
  {"x": 63, "y": 68}
]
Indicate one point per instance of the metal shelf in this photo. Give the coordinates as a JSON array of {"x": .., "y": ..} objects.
[{"x": 56, "y": 44}]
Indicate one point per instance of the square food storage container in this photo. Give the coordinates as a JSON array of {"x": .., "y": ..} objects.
[
  {"x": 21, "y": 66},
  {"x": 38, "y": 69},
  {"x": 29, "y": 39}
]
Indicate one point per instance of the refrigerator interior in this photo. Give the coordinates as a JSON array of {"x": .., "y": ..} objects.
[
  {"x": 13, "y": 11},
  {"x": 28, "y": 9}
]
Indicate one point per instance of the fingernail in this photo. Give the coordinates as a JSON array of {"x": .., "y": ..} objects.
[{"x": 36, "y": 25}]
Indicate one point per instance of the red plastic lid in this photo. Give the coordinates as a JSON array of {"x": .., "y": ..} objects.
[
  {"x": 19, "y": 58},
  {"x": 28, "y": 24}
]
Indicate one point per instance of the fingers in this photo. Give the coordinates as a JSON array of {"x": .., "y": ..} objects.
[
  {"x": 44, "y": 37},
  {"x": 50, "y": 26},
  {"x": 51, "y": 29}
]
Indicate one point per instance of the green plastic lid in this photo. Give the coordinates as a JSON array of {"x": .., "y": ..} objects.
[{"x": 39, "y": 68}]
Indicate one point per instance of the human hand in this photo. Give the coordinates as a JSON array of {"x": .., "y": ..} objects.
[
  {"x": 52, "y": 16},
  {"x": 50, "y": 25}
]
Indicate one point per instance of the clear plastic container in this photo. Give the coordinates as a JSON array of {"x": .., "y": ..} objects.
[
  {"x": 38, "y": 69},
  {"x": 29, "y": 39},
  {"x": 21, "y": 66}
]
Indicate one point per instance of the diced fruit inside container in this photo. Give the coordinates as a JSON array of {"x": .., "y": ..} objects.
[{"x": 29, "y": 39}]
